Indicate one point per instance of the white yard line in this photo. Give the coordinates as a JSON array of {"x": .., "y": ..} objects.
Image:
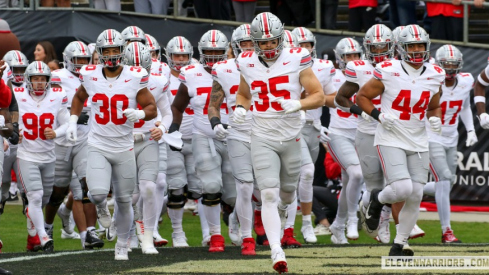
[{"x": 52, "y": 255}]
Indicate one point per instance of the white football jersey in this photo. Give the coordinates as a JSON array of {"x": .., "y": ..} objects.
[
  {"x": 110, "y": 130},
  {"x": 199, "y": 85},
  {"x": 187, "y": 120},
  {"x": 342, "y": 123},
  {"x": 406, "y": 97},
  {"x": 70, "y": 84},
  {"x": 271, "y": 83},
  {"x": 34, "y": 118},
  {"x": 17, "y": 88},
  {"x": 360, "y": 72},
  {"x": 227, "y": 74},
  {"x": 324, "y": 71},
  {"x": 158, "y": 85},
  {"x": 158, "y": 67},
  {"x": 454, "y": 100}
]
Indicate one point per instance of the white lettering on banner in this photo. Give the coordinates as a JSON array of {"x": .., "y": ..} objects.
[{"x": 473, "y": 162}]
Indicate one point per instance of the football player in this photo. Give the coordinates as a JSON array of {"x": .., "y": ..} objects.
[
  {"x": 410, "y": 91},
  {"x": 272, "y": 77},
  {"x": 113, "y": 90},
  {"x": 158, "y": 66}
]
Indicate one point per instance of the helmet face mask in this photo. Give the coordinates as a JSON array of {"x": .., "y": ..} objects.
[
  {"x": 110, "y": 48},
  {"x": 266, "y": 27},
  {"x": 213, "y": 47},
  {"x": 379, "y": 44},
  {"x": 18, "y": 63},
  {"x": 37, "y": 77},
  {"x": 75, "y": 55},
  {"x": 347, "y": 47},
  {"x": 449, "y": 58},
  {"x": 18, "y": 74},
  {"x": 409, "y": 51},
  {"x": 178, "y": 46},
  {"x": 241, "y": 34}
]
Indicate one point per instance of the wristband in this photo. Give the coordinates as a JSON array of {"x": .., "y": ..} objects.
[
  {"x": 174, "y": 127},
  {"x": 73, "y": 119},
  {"x": 355, "y": 109},
  {"x": 215, "y": 121},
  {"x": 163, "y": 128},
  {"x": 479, "y": 98},
  {"x": 240, "y": 106},
  {"x": 482, "y": 81},
  {"x": 375, "y": 113}
]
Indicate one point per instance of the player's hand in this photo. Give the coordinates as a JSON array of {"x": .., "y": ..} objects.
[
  {"x": 83, "y": 118},
  {"x": 221, "y": 131},
  {"x": 21, "y": 136},
  {"x": 5, "y": 145},
  {"x": 14, "y": 138},
  {"x": 435, "y": 124},
  {"x": 49, "y": 133},
  {"x": 290, "y": 105},
  {"x": 156, "y": 133},
  {"x": 324, "y": 135},
  {"x": 3, "y": 66},
  {"x": 471, "y": 138},
  {"x": 2, "y": 121},
  {"x": 484, "y": 120},
  {"x": 387, "y": 120},
  {"x": 71, "y": 132},
  {"x": 239, "y": 115},
  {"x": 366, "y": 117},
  {"x": 157, "y": 123},
  {"x": 134, "y": 115}
]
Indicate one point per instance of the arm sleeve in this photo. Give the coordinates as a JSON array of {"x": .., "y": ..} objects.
[
  {"x": 13, "y": 104},
  {"x": 5, "y": 95},
  {"x": 328, "y": 88},
  {"x": 63, "y": 118},
  {"x": 163, "y": 105},
  {"x": 466, "y": 116},
  {"x": 332, "y": 169}
]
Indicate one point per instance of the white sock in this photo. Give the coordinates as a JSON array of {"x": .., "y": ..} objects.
[
  {"x": 409, "y": 213},
  {"x": 442, "y": 199},
  {"x": 291, "y": 214},
  {"x": 429, "y": 188},
  {"x": 148, "y": 195},
  {"x": 306, "y": 220},
  {"x": 83, "y": 237},
  {"x": 160, "y": 194},
  {"x": 124, "y": 221},
  {"x": 203, "y": 220},
  {"x": 353, "y": 188},
  {"x": 305, "y": 182},
  {"x": 64, "y": 210},
  {"x": 35, "y": 211},
  {"x": 342, "y": 212},
  {"x": 213, "y": 215},
  {"x": 270, "y": 216},
  {"x": 176, "y": 217},
  {"x": 244, "y": 208}
]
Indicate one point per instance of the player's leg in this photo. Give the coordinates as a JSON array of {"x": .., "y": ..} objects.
[
  {"x": 240, "y": 157},
  {"x": 208, "y": 168},
  {"x": 343, "y": 151},
  {"x": 147, "y": 160},
  {"x": 8, "y": 162},
  {"x": 47, "y": 178},
  {"x": 161, "y": 187},
  {"x": 305, "y": 190}
]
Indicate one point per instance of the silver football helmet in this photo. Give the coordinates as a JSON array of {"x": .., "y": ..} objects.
[
  {"x": 132, "y": 34},
  {"x": 378, "y": 37},
  {"x": 346, "y": 46},
  {"x": 414, "y": 34},
  {"x": 138, "y": 55},
  {"x": 73, "y": 53},
  {"x": 450, "y": 59},
  {"x": 16, "y": 59},
  {"x": 305, "y": 36},
  {"x": 241, "y": 33},
  {"x": 265, "y": 27},
  {"x": 290, "y": 40},
  {"x": 178, "y": 45},
  {"x": 110, "y": 39},
  {"x": 153, "y": 46},
  {"x": 212, "y": 40},
  {"x": 34, "y": 69}
]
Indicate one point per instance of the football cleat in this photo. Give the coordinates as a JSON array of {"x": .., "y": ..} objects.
[
  {"x": 308, "y": 234},
  {"x": 370, "y": 214},
  {"x": 248, "y": 247},
  {"x": 47, "y": 244},
  {"x": 103, "y": 215},
  {"x": 258, "y": 224},
  {"x": 321, "y": 230},
  {"x": 33, "y": 243},
  {"x": 279, "y": 261},
  {"x": 448, "y": 237},
  {"x": 65, "y": 236},
  {"x": 158, "y": 241},
  {"x": 49, "y": 231},
  {"x": 111, "y": 233},
  {"x": 121, "y": 252},
  {"x": 92, "y": 240},
  {"x": 338, "y": 234},
  {"x": 216, "y": 243},
  {"x": 179, "y": 240},
  {"x": 352, "y": 228},
  {"x": 288, "y": 240},
  {"x": 416, "y": 232},
  {"x": 65, "y": 221},
  {"x": 401, "y": 250}
]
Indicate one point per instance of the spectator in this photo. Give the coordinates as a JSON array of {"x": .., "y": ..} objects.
[
  {"x": 152, "y": 6},
  {"x": 447, "y": 19},
  {"x": 329, "y": 10},
  {"x": 213, "y": 9},
  {"x": 111, "y": 5},
  {"x": 53, "y": 65},
  {"x": 9, "y": 40},
  {"x": 59, "y": 3},
  {"x": 402, "y": 12},
  {"x": 9, "y": 4},
  {"x": 361, "y": 14},
  {"x": 292, "y": 12},
  {"x": 95, "y": 59},
  {"x": 44, "y": 52},
  {"x": 244, "y": 10}
]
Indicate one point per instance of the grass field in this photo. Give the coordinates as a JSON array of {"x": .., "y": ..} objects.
[{"x": 361, "y": 257}]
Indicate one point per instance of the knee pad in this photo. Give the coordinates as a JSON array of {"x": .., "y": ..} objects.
[
  {"x": 307, "y": 172},
  {"x": 176, "y": 199},
  {"x": 211, "y": 199},
  {"x": 355, "y": 172},
  {"x": 193, "y": 196},
  {"x": 270, "y": 195},
  {"x": 35, "y": 197}
]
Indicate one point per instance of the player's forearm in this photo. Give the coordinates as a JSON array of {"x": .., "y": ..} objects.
[
  {"x": 365, "y": 103},
  {"x": 76, "y": 106},
  {"x": 177, "y": 115},
  {"x": 467, "y": 118},
  {"x": 61, "y": 130},
  {"x": 243, "y": 101},
  {"x": 313, "y": 101},
  {"x": 14, "y": 116},
  {"x": 165, "y": 111},
  {"x": 480, "y": 91},
  {"x": 434, "y": 112},
  {"x": 329, "y": 100},
  {"x": 150, "y": 111}
]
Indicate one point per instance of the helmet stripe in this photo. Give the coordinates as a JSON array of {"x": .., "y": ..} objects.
[
  {"x": 289, "y": 37},
  {"x": 109, "y": 36},
  {"x": 352, "y": 45},
  {"x": 39, "y": 66},
  {"x": 18, "y": 57},
  {"x": 451, "y": 50},
  {"x": 213, "y": 38},
  {"x": 303, "y": 34},
  {"x": 248, "y": 32},
  {"x": 136, "y": 55},
  {"x": 135, "y": 31},
  {"x": 265, "y": 24},
  {"x": 416, "y": 31},
  {"x": 150, "y": 41},
  {"x": 377, "y": 31},
  {"x": 82, "y": 48},
  {"x": 180, "y": 43}
]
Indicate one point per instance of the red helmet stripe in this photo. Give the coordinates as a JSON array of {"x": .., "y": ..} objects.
[
  {"x": 135, "y": 31},
  {"x": 180, "y": 43},
  {"x": 109, "y": 36},
  {"x": 213, "y": 38},
  {"x": 18, "y": 57},
  {"x": 150, "y": 41},
  {"x": 451, "y": 50},
  {"x": 248, "y": 32},
  {"x": 39, "y": 66},
  {"x": 377, "y": 31},
  {"x": 352, "y": 45},
  {"x": 289, "y": 36},
  {"x": 303, "y": 33},
  {"x": 136, "y": 55},
  {"x": 266, "y": 28},
  {"x": 416, "y": 31},
  {"x": 82, "y": 47}
]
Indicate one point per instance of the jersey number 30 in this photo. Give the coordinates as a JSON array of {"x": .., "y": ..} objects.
[{"x": 108, "y": 108}]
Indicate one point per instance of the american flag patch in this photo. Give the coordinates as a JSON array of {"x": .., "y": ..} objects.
[
  {"x": 377, "y": 74},
  {"x": 306, "y": 60},
  {"x": 350, "y": 73},
  {"x": 65, "y": 100}
]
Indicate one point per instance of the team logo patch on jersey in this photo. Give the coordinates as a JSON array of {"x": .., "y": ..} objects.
[
  {"x": 251, "y": 65},
  {"x": 65, "y": 100},
  {"x": 93, "y": 78}
]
